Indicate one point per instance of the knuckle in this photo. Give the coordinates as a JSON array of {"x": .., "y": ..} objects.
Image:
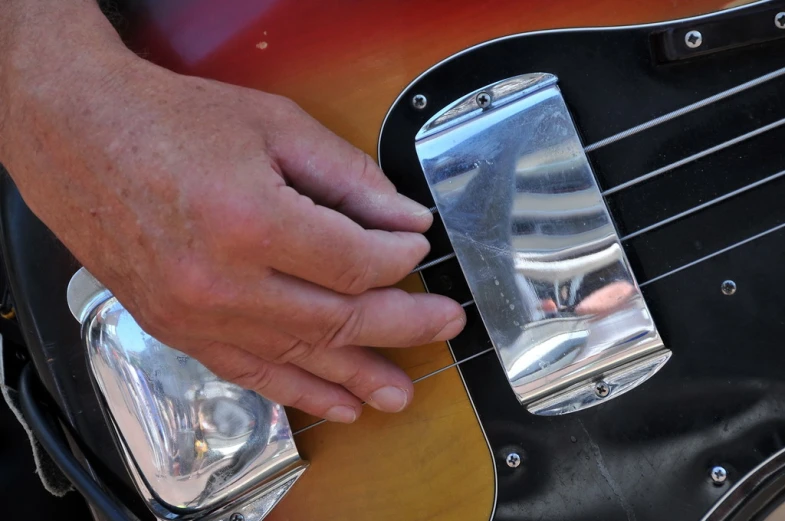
[
  {"x": 415, "y": 329},
  {"x": 285, "y": 106},
  {"x": 296, "y": 352},
  {"x": 289, "y": 104},
  {"x": 368, "y": 171},
  {"x": 353, "y": 380},
  {"x": 342, "y": 327},
  {"x": 357, "y": 277},
  {"x": 187, "y": 284},
  {"x": 257, "y": 378},
  {"x": 240, "y": 225},
  {"x": 362, "y": 172}
]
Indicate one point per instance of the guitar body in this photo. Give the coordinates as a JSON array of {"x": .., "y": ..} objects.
[{"x": 645, "y": 456}]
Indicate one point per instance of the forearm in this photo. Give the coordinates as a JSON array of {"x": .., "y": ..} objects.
[
  {"x": 51, "y": 53},
  {"x": 41, "y": 29}
]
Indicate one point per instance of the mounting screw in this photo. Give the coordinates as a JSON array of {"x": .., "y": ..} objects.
[
  {"x": 602, "y": 389},
  {"x": 693, "y": 39},
  {"x": 718, "y": 475},
  {"x": 513, "y": 460},
  {"x": 728, "y": 287},
  {"x": 483, "y": 100},
  {"x": 779, "y": 20},
  {"x": 237, "y": 517},
  {"x": 419, "y": 101}
]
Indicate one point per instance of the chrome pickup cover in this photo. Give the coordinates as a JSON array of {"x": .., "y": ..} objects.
[
  {"x": 197, "y": 447},
  {"x": 537, "y": 246}
]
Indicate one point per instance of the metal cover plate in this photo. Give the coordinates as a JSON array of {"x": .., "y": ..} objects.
[
  {"x": 196, "y": 446},
  {"x": 534, "y": 238}
]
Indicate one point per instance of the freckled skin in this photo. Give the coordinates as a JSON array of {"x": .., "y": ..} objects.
[{"x": 231, "y": 224}]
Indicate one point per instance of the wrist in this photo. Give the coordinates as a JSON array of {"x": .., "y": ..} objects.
[{"x": 52, "y": 53}]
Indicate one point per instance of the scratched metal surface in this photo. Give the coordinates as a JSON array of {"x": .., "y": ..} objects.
[{"x": 646, "y": 455}]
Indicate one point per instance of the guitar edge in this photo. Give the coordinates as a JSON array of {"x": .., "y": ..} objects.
[{"x": 345, "y": 63}]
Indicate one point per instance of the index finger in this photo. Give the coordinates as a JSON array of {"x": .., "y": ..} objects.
[
  {"x": 327, "y": 248},
  {"x": 336, "y": 174}
]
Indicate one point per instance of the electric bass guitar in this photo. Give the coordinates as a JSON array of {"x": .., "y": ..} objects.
[{"x": 607, "y": 182}]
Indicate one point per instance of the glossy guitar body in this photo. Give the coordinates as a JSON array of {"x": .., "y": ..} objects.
[{"x": 347, "y": 63}]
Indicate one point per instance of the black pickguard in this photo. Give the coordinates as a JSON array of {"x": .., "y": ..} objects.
[{"x": 644, "y": 456}]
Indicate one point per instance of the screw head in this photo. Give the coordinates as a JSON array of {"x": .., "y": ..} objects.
[
  {"x": 779, "y": 19},
  {"x": 602, "y": 389},
  {"x": 513, "y": 460},
  {"x": 693, "y": 39},
  {"x": 718, "y": 475},
  {"x": 483, "y": 100},
  {"x": 419, "y": 101},
  {"x": 237, "y": 517},
  {"x": 728, "y": 287}
]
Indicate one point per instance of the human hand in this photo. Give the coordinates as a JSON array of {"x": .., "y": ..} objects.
[{"x": 231, "y": 225}]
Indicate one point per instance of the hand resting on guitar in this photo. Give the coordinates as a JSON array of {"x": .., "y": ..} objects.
[{"x": 232, "y": 225}]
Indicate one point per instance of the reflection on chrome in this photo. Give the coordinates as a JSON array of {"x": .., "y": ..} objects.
[
  {"x": 197, "y": 446},
  {"x": 535, "y": 241}
]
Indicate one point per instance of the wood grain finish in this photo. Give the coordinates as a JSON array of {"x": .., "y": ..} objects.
[
  {"x": 345, "y": 62},
  {"x": 428, "y": 463}
]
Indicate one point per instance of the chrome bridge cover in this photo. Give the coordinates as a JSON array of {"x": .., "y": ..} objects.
[
  {"x": 197, "y": 447},
  {"x": 535, "y": 241}
]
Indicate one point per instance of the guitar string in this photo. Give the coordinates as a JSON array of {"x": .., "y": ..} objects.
[
  {"x": 686, "y": 110},
  {"x": 416, "y": 380},
  {"x": 623, "y": 135},
  {"x": 650, "y": 281},
  {"x": 694, "y": 157},
  {"x": 703, "y": 206},
  {"x": 680, "y": 112},
  {"x": 660, "y": 171},
  {"x": 443, "y": 258},
  {"x": 712, "y": 255},
  {"x": 655, "y": 279}
]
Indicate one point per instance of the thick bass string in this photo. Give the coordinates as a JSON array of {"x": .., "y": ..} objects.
[{"x": 694, "y": 157}]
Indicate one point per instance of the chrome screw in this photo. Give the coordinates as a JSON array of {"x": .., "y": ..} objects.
[
  {"x": 779, "y": 20},
  {"x": 419, "y": 101},
  {"x": 483, "y": 100},
  {"x": 602, "y": 389},
  {"x": 513, "y": 460},
  {"x": 728, "y": 287},
  {"x": 693, "y": 39},
  {"x": 237, "y": 517},
  {"x": 718, "y": 475}
]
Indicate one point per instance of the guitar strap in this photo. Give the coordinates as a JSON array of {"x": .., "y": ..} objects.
[{"x": 51, "y": 477}]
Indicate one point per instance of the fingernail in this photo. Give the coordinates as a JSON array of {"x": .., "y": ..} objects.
[
  {"x": 389, "y": 399},
  {"x": 451, "y": 330},
  {"x": 341, "y": 414},
  {"x": 412, "y": 207}
]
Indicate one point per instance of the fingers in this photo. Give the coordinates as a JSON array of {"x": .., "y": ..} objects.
[
  {"x": 394, "y": 318},
  {"x": 368, "y": 375},
  {"x": 365, "y": 373},
  {"x": 322, "y": 318},
  {"x": 285, "y": 384},
  {"x": 313, "y": 380},
  {"x": 335, "y": 174},
  {"x": 327, "y": 248}
]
